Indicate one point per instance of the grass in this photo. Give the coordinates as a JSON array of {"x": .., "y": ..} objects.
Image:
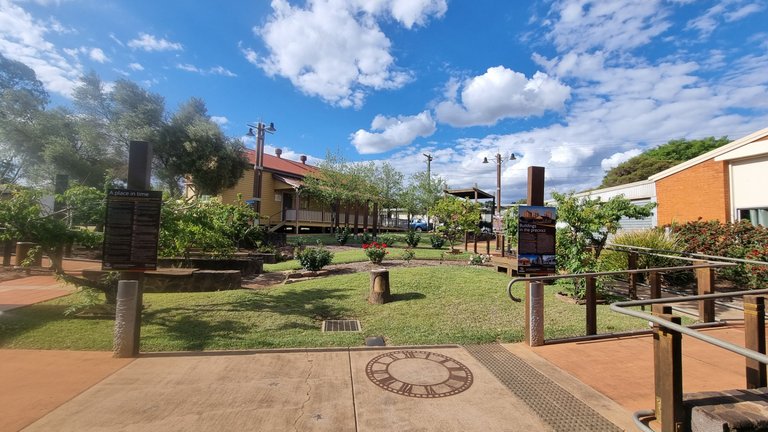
[
  {"x": 357, "y": 255},
  {"x": 432, "y": 305}
]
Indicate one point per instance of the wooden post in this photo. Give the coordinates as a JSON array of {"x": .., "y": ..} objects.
[
  {"x": 366, "y": 212},
  {"x": 632, "y": 265},
  {"x": 487, "y": 247},
  {"x": 668, "y": 372},
  {"x": 705, "y": 281},
  {"x": 7, "y": 250},
  {"x": 375, "y": 222},
  {"x": 591, "y": 306},
  {"x": 503, "y": 245},
  {"x": 357, "y": 217},
  {"x": 654, "y": 280},
  {"x": 379, "y": 292},
  {"x": 474, "y": 241},
  {"x": 466, "y": 241},
  {"x": 754, "y": 335}
]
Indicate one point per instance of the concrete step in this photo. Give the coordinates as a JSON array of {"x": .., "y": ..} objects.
[{"x": 727, "y": 411}]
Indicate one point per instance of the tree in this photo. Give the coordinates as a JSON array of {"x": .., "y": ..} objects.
[
  {"x": 589, "y": 223},
  {"x": 456, "y": 216},
  {"x": 658, "y": 159},
  {"x": 423, "y": 192},
  {"x": 192, "y": 145},
  {"x": 22, "y": 100}
]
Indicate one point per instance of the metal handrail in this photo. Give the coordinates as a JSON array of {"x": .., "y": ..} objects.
[
  {"x": 709, "y": 264},
  {"x": 685, "y": 254},
  {"x": 744, "y": 352}
]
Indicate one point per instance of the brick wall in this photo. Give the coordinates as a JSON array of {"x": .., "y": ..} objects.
[{"x": 700, "y": 191}]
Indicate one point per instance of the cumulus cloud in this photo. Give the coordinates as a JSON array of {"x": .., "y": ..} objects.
[
  {"x": 151, "y": 43},
  {"x": 502, "y": 93},
  {"x": 136, "y": 66},
  {"x": 96, "y": 54},
  {"x": 219, "y": 120},
  {"x": 335, "y": 49},
  {"x": 22, "y": 38},
  {"x": 393, "y": 132},
  {"x": 617, "y": 158}
]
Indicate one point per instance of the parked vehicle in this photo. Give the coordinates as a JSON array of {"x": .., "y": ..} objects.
[{"x": 419, "y": 225}]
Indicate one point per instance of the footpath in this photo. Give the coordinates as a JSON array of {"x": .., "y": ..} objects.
[{"x": 577, "y": 386}]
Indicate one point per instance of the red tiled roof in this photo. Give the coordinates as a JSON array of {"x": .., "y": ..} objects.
[{"x": 282, "y": 165}]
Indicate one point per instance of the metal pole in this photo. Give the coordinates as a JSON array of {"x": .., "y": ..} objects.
[{"x": 498, "y": 184}]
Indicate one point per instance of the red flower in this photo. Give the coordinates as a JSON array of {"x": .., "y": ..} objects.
[{"x": 383, "y": 245}]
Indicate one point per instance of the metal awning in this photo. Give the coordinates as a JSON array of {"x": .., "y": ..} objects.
[
  {"x": 294, "y": 183},
  {"x": 472, "y": 193}
]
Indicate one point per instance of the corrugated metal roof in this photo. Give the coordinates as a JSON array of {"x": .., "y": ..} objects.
[{"x": 282, "y": 165}]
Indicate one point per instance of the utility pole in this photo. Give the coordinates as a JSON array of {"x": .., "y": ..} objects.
[{"x": 429, "y": 163}]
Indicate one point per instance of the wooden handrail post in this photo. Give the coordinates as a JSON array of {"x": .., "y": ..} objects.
[
  {"x": 754, "y": 338},
  {"x": 705, "y": 281},
  {"x": 668, "y": 372},
  {"x": 632, "y": 265},
  {"x": 654, "y": 280},
  {"x": 591, "y": 297}
]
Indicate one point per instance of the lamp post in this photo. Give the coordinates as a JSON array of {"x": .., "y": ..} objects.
[
  {"x": 258, "y": 168},
  {"x": 499, "y": 161}
]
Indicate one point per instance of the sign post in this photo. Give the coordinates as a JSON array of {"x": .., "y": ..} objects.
[{"x": 134, "y": 225}]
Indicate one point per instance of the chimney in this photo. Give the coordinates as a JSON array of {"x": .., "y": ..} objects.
[
  {"x": 278, "y": 152},
  {"x": 303, "y": 159}
]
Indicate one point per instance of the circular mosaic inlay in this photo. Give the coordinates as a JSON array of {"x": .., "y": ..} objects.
[{"x": 420, "y": 374}]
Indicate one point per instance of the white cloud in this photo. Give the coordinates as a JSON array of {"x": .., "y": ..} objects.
[
  {"x": 96, "y": 54},
  {"x": 724, "y": 11},
  {"x": 136, "y": 66},
  {"x": 394, "y": 132},
  {"x": 502, "y": 93},
  {"x": 617, "y": 25},
  {"x": 22, "y": 38},
  {"x": 617, "y": 158},
  {"x": 335, "y": 49},
  {"x": 216, "y": 70},
  {"x": 220, "y": 70},
  {"x": 150, "y": 43},
  {"x": 219, "y": 120}
]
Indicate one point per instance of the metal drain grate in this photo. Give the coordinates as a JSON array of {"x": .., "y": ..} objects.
[
  {"x": 552, "y": 403},
  {"x": 341, "y": 326}
]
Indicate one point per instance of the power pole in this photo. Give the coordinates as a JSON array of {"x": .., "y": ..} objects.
[{"x": 429, "y": 163}]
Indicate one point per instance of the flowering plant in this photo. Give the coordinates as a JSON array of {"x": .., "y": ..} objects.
[
  {"x": 479, "y": 259},
  {"x": 375, "y": 251}
]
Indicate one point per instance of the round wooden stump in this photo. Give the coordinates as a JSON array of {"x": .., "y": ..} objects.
[{"x": 379, "y": 287}]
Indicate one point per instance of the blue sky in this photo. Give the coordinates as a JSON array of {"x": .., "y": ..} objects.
[{"x": 576, "y": 86}]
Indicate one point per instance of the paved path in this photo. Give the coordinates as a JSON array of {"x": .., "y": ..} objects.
[{"x": 35, "y": 289}]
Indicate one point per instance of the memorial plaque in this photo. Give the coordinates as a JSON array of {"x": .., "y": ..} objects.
[
  {"x": 131, "y": 230},
  {"x": 536, "y": 240}
]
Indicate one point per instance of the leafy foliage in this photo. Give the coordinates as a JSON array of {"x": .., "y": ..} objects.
[
  {"x": 206, "y": 224},
  {"x": 375, "y": 251},
  {"x": 658, "y": 159},
  {"x": 734, "y": 240},
  {"x": 314, "y": 259},
  {"x": 437, "y": 241},
  {"x": 589, "y": 223},
  {"x": 412, "y": 238},
  {"x": 85, "y": 205},
  {"x": 456, "y": 216},
  {"x": 388, "y": 239},
  {"x": 342, "y": 237}
]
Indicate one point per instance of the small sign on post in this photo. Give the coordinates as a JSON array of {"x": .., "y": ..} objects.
[
  {"x": 132, "y": 230},
  {"x": 536, "y": 240}
]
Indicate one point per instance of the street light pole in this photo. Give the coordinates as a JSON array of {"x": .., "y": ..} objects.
[
  {"x": 258, "y": 168},
  {"x": 499, "y": 161}
]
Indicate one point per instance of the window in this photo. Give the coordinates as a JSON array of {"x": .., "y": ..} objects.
[{"x": 758, "y": 216}]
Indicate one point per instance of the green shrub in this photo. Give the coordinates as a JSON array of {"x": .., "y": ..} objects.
[
  {"x": 733, "y": 240},
  {"x": 388, "y": 239},
  {"x": 375, "y": 251},
  {"x": 342, "y": 237},
  {"x": 412, "y": 238},
  {"x": 314, "y": 259},
  {"x": 366, "y": 237},
  {"x": 437, "y": 241},
  {"x": 653, "y": 239},
  {"x": 408, "y": 254}
]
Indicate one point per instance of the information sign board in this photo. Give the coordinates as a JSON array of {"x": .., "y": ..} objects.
[
  {"x": 536, "y": 240},
  {"x": 131, "y": 230}
]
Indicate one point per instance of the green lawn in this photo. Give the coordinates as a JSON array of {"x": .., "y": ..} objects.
[
  {"x": 358, "y": 255},
  {"x": 432, "y": 305}
]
